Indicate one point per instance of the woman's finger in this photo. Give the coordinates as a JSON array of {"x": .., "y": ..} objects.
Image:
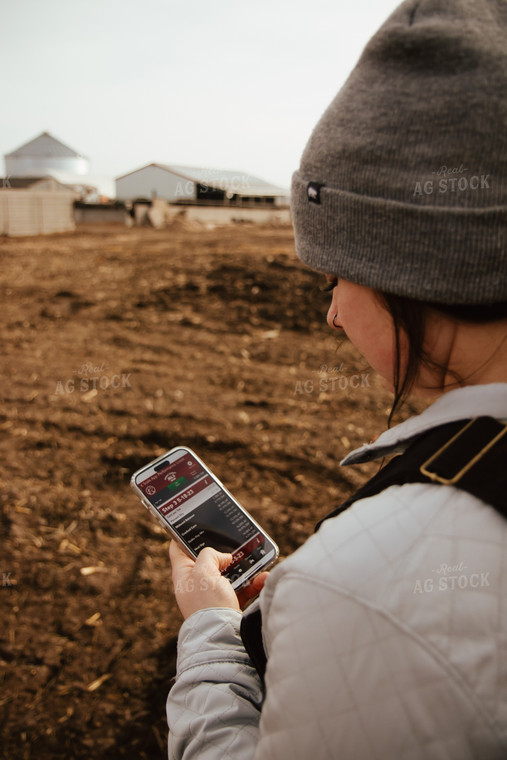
[{"x": 253, "y": 589}]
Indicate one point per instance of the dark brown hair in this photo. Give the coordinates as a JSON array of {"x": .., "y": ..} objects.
[{"x": 409, "y": 317}]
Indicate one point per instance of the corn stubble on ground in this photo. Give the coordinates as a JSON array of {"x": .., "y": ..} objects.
[{"x": 118, "y": 345}]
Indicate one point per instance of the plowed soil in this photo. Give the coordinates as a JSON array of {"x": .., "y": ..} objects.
[{"x": 117, "y": 345}]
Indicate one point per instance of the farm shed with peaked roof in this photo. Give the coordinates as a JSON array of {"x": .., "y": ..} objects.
[{"x": 189, "y": 185}]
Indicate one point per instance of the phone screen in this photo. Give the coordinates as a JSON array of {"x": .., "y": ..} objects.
[{"x": 202, "y": 513}]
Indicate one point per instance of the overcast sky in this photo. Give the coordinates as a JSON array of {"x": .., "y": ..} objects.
[{"x": 230, "y": 84}]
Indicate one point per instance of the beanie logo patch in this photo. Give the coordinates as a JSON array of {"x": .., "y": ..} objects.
[{"x": 313, "y": 192}]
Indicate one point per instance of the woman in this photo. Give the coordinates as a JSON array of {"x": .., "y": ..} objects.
[{"x": 386, "y": 632}]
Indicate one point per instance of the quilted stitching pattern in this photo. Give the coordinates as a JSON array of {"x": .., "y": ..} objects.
[
  {"x": 213, "y": 708},
  {"x": 379, "y": 667}
]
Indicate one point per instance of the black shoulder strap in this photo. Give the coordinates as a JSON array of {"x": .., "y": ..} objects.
[
  {"x": 468, "y": 454},
  {"x": 251, "y": 635}
]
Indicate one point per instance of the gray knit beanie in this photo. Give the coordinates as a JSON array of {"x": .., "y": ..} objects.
[{"x": 403, "y": 184}]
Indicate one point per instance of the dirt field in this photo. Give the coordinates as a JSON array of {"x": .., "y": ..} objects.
[{"x": 117, "y": 345}]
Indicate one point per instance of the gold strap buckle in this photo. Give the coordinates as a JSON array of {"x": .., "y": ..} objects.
[{"x": 435, "y": 477}]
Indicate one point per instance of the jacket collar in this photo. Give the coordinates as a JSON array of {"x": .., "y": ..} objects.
[{"x": 462, "y": 403}]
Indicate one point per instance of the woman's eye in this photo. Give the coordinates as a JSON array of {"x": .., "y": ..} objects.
[{"x": 330, "y": 284}]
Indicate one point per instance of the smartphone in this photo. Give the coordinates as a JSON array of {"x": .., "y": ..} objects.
[{"x": 192, "y": 504}]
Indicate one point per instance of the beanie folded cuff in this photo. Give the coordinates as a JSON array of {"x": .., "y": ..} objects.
[{"x": 402, "y": 248}]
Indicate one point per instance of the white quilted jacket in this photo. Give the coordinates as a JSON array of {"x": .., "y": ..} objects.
[{"x": 386, "y": 632}]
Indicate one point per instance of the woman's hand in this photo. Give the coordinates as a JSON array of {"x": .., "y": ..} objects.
[{"x": 198, "y": 584}]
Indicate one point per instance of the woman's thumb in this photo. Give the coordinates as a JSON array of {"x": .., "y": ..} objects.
[{"x": 210, "y": 557}]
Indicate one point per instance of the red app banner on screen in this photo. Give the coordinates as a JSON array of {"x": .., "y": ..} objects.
[{"x": 185, "y": 467}]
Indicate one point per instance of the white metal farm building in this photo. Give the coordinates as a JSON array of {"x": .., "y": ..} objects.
[{"x": 197, "y": 185}]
